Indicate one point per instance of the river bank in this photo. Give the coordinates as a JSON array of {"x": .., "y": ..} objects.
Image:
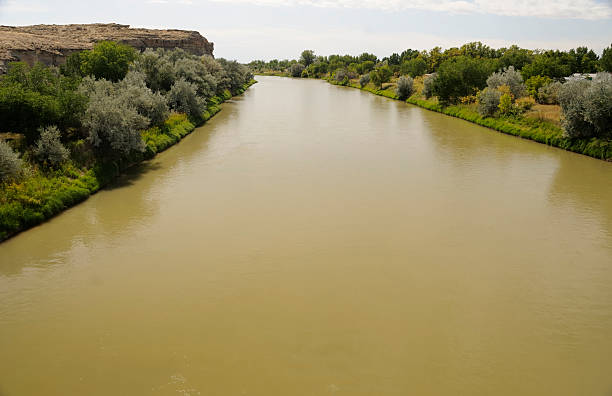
[
  {"x": 44, "y": 195},
  {"x": 537, "y": 130}
]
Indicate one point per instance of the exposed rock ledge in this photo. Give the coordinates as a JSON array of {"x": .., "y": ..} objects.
[{"x": 51, "y": 44}]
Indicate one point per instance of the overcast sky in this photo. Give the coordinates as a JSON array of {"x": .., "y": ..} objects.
[{"x": 267, "y": 29}]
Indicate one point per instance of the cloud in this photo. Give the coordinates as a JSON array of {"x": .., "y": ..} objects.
[
  {"x": 22, "y": 6},
  {"x": 572, "y": 9}
]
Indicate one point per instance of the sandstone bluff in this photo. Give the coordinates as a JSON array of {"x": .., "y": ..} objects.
[{"x": 51, "y": 44}]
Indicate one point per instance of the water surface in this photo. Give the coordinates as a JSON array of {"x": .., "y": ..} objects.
[{"x": 319, "y": 240}]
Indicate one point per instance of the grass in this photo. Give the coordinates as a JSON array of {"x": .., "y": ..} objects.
[{"x": 45, "y": 193}]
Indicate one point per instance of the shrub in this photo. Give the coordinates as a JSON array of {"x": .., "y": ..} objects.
[
  {"x": 364, "y": 80},
  {"x": 488, "y": 101},
  {"x": 296, "y": 70},
  {"x": 598, "y": 104},
  {"x": 428, "y": 83},
  {"x": 534, "y": 83},
  {"x": 525, "y": 103},
  {"x": 134, "y": 92},
  {"x": 184, "y": 99},
  {"x": 549, "y": 93},
  {"x": 374, "y": 77},
  {"x": 404, "y": 87},
  {"x": 341, "y": 76},
  {"x": 506, "y": 106},
  {"x": 510, "y": 78},
  {"x": 112, "y": 125},
  {"x": 10, "y": 163},
  {"x": 572, "y": 98},
  {"x": 49, "y": 149}
]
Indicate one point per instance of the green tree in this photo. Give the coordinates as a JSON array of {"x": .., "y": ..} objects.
[
  {"x": 414, "y": 67},
  {"x": 605, "y": 63},
  {"x": 307, "y": 57},
  {"x": 461, "y": 76},
  {"x": 108, "y": 60}
]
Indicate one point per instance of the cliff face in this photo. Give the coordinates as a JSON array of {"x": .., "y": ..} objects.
[{"x": 51, "y": 44}]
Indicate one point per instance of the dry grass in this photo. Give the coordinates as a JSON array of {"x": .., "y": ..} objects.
[{"x": 545, "y": 112}]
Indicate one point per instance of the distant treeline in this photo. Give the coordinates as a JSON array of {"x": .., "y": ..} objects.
[{"x": 503, "y": 82}]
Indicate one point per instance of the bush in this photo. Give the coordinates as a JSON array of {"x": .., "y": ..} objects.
[
  {"x": 184, "y": 99},
  {"x": 113, "y": 126},
  {"x": 572, "y": 98},
  {"x": 549, "y": 93},
  {"x": 525, "y": 103},
  {"x": 10, "y": 163},
  {"x": 488, "y": 101},
  {"x": 49, "y": 149},
  {"x": 133, "y": 91},
  {"x": 598, "y": 104},
  {"x": 364, "y": 80},
  {"x": 404, "y": 87},
  {"x": 534, "y": 83},
  {"x": 428, "y": 83},
  {"x": 506, "y": 106},
  {"x": 509, "y": 77},
  {"x": 296, "y": 70}
]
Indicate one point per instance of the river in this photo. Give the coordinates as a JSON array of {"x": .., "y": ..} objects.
[{"x": 319, "y": 240}]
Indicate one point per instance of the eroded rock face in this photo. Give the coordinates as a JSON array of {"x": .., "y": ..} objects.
[{"x": 51, "y": 44}]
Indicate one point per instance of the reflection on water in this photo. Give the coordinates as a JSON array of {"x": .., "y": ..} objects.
[{"x": 313, "y": 239}]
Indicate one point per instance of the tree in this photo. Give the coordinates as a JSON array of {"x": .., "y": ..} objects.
[
  {"x": 534, "y": 83},
  {"x": 547, "y": 64},
  {"x": 605, "y": 63},
  {"x": 428, "y": 84},
  {"x": 183, "y": 98},
  {"x": 108, "y": 60},
  {"x": 516, "y": 56},
  {"x": 307, "y": 57},
  {"x": 414, "y": 67},
  {"x": 364, "y": 80},
  {"x": 461, "y": 76},
  {"x": 296, "y": 70},
  {"x": 488, "y": 101}
]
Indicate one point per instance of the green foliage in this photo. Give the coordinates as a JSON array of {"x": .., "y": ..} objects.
[
  {"x": 506, "y": 106},
  {"x": 307, "y": 58},
  {"x": 461, "y": 76},
  {"x": 605, "y": 63},
  {"x": 404, "y": 87},
  {"x": 375, "y": 78},
  {"x": 515, "y": 56},
  {"x": 108, "y": 60},
  {"x": 49, "y": 149},
  {"x": 547, "y": 65},
  {"x": 296, "y": 70},
  {"x": 31, "y": 97},
  {"x": 414, "y": 67},
  {"x": 10, "y": 163},
  {"x": 534, "y": 83}
]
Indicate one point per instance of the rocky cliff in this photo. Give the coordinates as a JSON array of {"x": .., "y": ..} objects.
[{"x": 51, "y": 44}]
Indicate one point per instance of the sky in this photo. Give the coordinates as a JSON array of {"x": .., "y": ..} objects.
[{"x": 281, "y": 29}]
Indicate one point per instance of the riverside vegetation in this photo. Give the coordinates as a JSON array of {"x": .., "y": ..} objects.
[
  {"x": 512, "y": 90},
  {"x": 67, "y": 132}
]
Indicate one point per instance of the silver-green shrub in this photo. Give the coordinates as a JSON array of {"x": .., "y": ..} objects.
[
  {"x": 428, "y": 83},
  {"x": 184, "y": 99},
  {"x": 133, "y": 91},
  {"x": 488, "y": 101},
  {"x": 10, "y": 163},
  {"x": 364, "y": 80},
  {"x": 509, "y": 77},
  {"x": 49, "y": 147},
  {"x": 113, "y": 125},
  {"x": 404, "y": 88},
  {"x": 549, "y": 93}
]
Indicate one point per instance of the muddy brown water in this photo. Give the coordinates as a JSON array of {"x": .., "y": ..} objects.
[{"x": 319, "y": 240}]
